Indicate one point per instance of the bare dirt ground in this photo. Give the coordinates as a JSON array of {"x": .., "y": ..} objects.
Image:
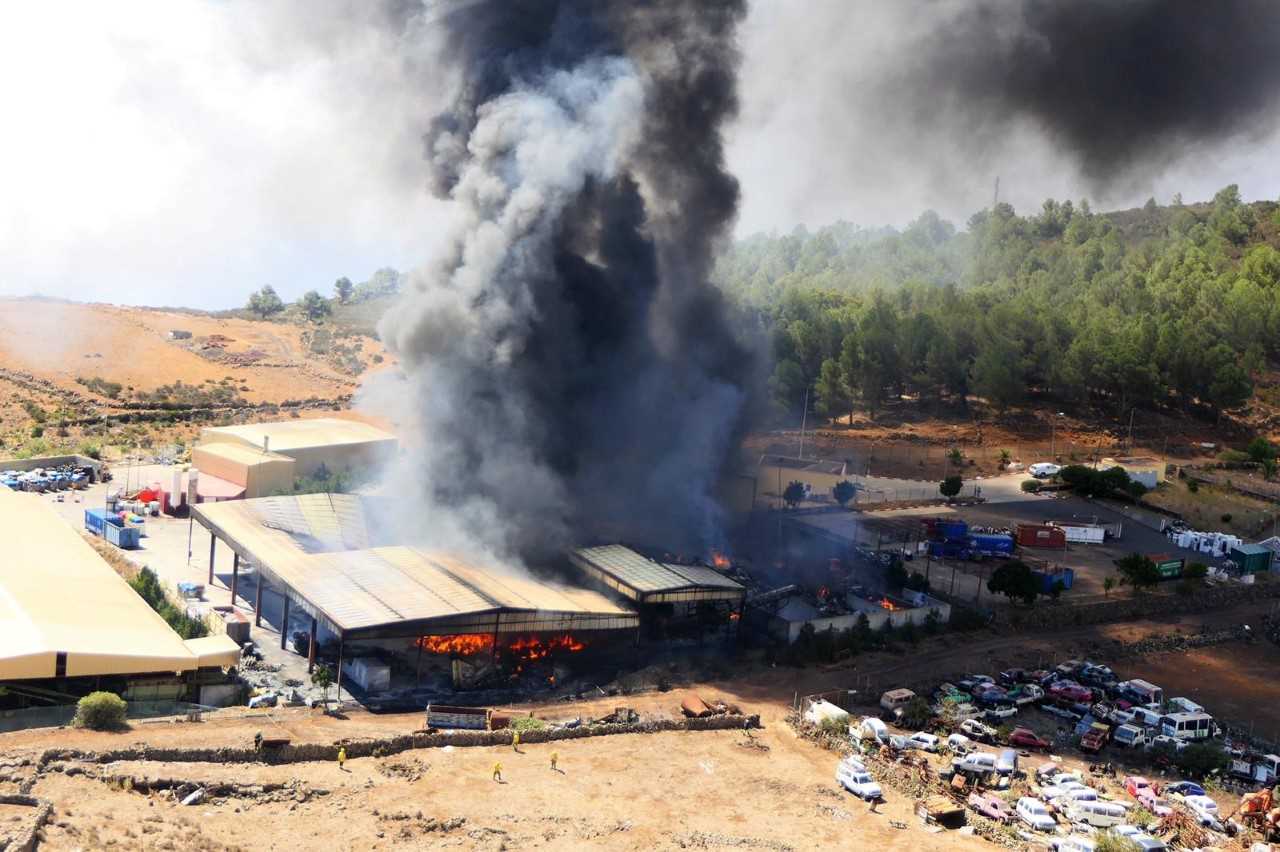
[
  {"x": 664, "y": 791},
  {"x": 1239, "y": 682},
  {"x": 49, "y": 345}
]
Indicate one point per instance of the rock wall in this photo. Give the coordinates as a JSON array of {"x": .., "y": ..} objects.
[
  {"x": 25, "y": 838},
  {"x": 393, "y": 745}
]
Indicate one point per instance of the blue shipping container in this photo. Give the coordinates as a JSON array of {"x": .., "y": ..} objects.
[
  {"x": 993, "y": 544},
  {"x": 98, "y": 522},
  {"x": 94, "y": 520},
  {"x": 953, "y": 530},
  {"x": 1066, "y": 576}
]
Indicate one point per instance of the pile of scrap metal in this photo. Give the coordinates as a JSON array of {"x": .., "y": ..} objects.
[
  {"x": 620, "y": 716},
  {"x": 695, "y": 708},
  {"x": 1179, "y": 830}
]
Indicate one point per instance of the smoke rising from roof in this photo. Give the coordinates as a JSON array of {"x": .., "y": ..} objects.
[{"x": 569, "y": 369}]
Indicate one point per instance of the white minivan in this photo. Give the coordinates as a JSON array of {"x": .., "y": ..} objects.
[
  {"x": 1035, "y": 814},
  {"x": 1097, "y": 813}
]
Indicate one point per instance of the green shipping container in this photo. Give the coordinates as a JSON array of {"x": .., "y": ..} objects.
[
  {"x": 1170, "y": 569},
  {"x": 1252, "y": 558}
]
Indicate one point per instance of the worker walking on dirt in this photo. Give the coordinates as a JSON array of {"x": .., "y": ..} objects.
[
  {"x": 497, "y": 772},
  {"x": 515, "y": 741},
  {"x": 555, "y": 759},
  {"x": 342, "y": 758},
  {"x": 874, "y": 804}
]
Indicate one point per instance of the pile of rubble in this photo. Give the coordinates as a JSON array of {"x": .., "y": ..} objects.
[{"x": 217, "y": 792}]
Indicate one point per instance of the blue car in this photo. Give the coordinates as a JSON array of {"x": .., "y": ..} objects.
[{"x": 1183, "y": 788}]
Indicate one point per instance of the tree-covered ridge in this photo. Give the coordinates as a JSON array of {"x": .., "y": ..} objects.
[{"x": 1173, "y": 306}]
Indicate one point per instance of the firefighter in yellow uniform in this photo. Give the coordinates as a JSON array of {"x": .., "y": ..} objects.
[
  {"x": 497, "y": 772},
  {"x": 342, "y": 757}
]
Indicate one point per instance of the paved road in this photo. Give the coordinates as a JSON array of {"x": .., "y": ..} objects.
[{"x": 998, "y": 489}]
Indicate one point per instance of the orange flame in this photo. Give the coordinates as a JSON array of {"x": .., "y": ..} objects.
[
  {"x": 530, "y": 648},
  {"x": 719, "y": 560},
  {"x": 464, "y": 644},
  {"x": 888, "y": 604}
]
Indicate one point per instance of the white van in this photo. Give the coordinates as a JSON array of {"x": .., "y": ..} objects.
[
  {"x": 896, "y": 699},
  {"x": 1097, "y": 813},
  {"x": 1187, "y": 726},
  {"x": 1035, "y": 814},
  {"x": 1129, "y": 736},
  {"x": 1146, "y": 718},
  {"x": 978, "y": 761},
  {"x": 1185, "y": 705},
  {"x": 1142, "y": 691},
  {"x": 1076, "y": 843},
  {"x": 1007, "y": 762}
]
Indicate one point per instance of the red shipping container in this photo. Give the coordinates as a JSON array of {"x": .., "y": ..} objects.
[{"x": 1037, "y": 535}]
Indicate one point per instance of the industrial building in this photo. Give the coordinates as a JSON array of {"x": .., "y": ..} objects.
[
  {"x": 661, "y": 591},
  {"x": 70, "y": 623},
  {"x": 336, "y": 445},
  {"x": 348, "y": 579}
]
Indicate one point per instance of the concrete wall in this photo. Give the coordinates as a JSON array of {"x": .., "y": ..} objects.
[{"x": 49, "y": 461}]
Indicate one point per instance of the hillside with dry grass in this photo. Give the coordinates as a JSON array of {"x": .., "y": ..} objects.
[{"x": 112, "y": 379}]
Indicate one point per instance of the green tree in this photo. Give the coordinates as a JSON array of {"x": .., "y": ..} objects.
[
  {"x": 315, "y": 306},
  {"x": 950, "y": 486},
  {"x": 793, "y": 494},
  {"x": 265, "y": 302},
  {"x": 833, "y": 398},
  {"x": 916, "y": 713},
  {"x": 1108, "y": 584},
  {"x": 1260, "y": 449},
  {"x": 1014, "y": 580},
  {"x": 996, "y": 376},
  {"x": 322, "y": 678},
  {"x": 844, "y": 491},
  {"x": 342, "y": 290},
  {"x": 1138, "y": 571}
]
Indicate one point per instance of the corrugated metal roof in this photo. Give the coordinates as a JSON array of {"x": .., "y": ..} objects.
[
  {"x": 319, "y": 545},
  {"x": 646, "y": 576}
]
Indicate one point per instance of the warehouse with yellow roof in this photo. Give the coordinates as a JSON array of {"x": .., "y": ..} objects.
[
  {"x": 65, "y": 614},
  {"x": 262, "y": 459}
]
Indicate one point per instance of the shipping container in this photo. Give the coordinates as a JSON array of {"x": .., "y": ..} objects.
[
  {"x": 1047, "y": 579},
  {"x": 1169, "y": 567},
  {"x": 1083, "y": 533},
  {"x": 123, "y": 537},
  {"x": 952, "y": 530},
  {"x": 1251, "y": 558},
  {"x": 989, "y": 544},
  {"x": 1039, "y": 535}
]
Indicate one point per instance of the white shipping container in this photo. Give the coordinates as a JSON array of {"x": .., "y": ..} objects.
[{"x": 1084, "y": 534}]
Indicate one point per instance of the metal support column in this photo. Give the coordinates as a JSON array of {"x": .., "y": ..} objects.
[
  {"x": 284, "y": 623},
  {"x": 338, "y": 679},
  {"x": 257, "y": 600},
  {"x": 213, "y": 542},
  {"x": 235, "y": 576},
  {"x": 417, "y": 677},
  {"x": 311, "y": 647}
]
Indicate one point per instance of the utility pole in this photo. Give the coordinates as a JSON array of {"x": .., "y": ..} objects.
[
  {"x": 804, "y": 417},
  {"x": 995, "y": 198},
  {"x": 1132, "y": 412}
]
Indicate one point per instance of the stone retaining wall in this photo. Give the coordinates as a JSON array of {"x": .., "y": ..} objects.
[
  {"x": 26, "y": 839},
  {"x": 394, "y": 745}
]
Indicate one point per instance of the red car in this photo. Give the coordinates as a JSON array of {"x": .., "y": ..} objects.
[
  {"x": 1071, "y": 691},
  {"x": 1135, "y": 784},
  {"x": 1026, "y": 738}
]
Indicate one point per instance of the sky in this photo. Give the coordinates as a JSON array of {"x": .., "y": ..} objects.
[{"x": 187, "y": 152}]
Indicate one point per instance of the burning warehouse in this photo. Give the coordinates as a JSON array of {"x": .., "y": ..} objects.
[
  {"x": 348, "y": 589},
  {"x": 670, "y": 597}
]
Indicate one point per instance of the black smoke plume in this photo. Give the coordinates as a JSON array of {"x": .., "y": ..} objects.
[
  {"x": 570, "y": 368},
  {"x": 1122, "y": 86}
]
